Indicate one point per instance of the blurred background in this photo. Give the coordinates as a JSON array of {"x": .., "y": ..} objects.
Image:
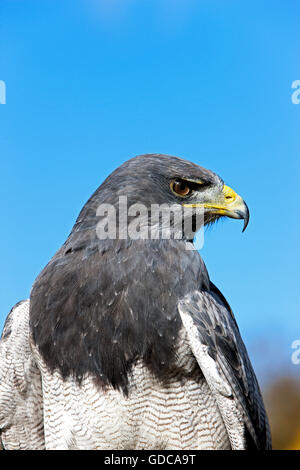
[{"x": 91, "y": 83}]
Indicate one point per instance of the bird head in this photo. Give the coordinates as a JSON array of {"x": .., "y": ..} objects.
[{"x": 157, "y": 182}]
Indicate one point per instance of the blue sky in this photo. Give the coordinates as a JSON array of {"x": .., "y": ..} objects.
[{"x": 91, "y": 83}]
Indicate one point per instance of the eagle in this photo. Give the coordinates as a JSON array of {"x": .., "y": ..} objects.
[{"x": 125, "y": 342}]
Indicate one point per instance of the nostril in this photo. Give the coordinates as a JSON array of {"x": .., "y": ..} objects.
[{"x": 228, "y": 194}]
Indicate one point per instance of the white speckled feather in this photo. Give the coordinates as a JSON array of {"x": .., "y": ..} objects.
[
  {"x": 179, "y": 413},
  {"x": 21, "y": 401}
]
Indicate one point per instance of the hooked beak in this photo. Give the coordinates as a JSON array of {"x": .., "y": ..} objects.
[{"x": 228, "y": 203}]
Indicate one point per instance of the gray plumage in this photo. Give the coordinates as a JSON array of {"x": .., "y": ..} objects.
[{"x": 127, "y": 344}]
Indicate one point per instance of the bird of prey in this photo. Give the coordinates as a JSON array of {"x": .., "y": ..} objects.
[{"x": 125, "y": 343}]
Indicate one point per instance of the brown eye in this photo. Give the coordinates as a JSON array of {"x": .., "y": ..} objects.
[{"x": 181, "y": 188}]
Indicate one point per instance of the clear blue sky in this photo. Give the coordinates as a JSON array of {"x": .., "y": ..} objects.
[{"x": 92, "y": 83}]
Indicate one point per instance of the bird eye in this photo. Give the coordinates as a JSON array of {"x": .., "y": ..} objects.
[{"x": 181, "y": 187}]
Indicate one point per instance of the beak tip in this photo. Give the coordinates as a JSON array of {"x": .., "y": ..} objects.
[
  {"x": 246, "y": 217},
  {"x": 244, "y": 214}
]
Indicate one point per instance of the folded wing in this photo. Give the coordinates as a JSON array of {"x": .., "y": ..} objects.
[{"x": 221, "y": 354}]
